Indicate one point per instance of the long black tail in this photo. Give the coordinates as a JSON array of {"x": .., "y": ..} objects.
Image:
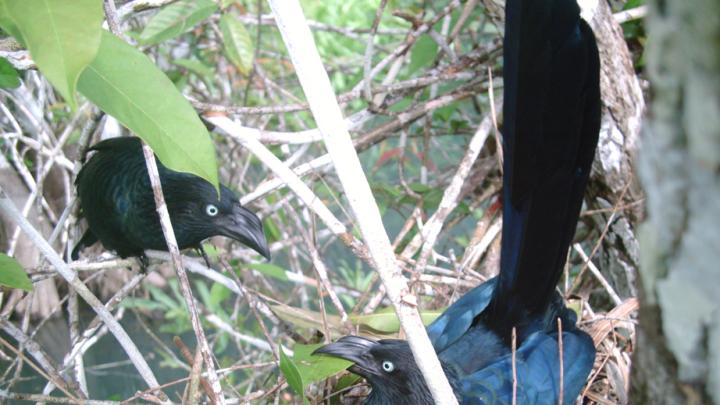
[{"x": 551, "y": 124}]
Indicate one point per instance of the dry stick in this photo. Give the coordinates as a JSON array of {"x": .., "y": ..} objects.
[
  {"x": 400, "y": 50},
  {"x": 223, "y": 371},
  {"x": 598, "y": 275},
  {"x": 362, "y": 143},
  {"x": 466, "y": 12},
  {"x": 83, "y": 342},
  {"x": 322, "y": 272},
  {"x": 493, "y": 114},
  {"x": 448, "y": 73},
  {"x": 71, "y": 277},
  {"x": 604, "y": 232},
  {"x": 632, "y": 14},
  {"x": 288, "y": 177},
  {"x": 195, "y": 373},
  {"x": 449, "y": 201},
  {"x": 476, "y": 248},
  {"x": 326, "y": 111},
  {"x": 17, "y": 396},
  {"x": 369, "y": 51},
  {"x": 562, "y": 368},
  {"x": 169, "y": 234},
  {"x": 251, "y": 340},
  {"x": 46, "y": 368},
  {"x": 513, "y": 348},
  {"x": 192, "y": 390},
  {"x": 74, "y": 321},
  {"x": 196, "y": 266}
]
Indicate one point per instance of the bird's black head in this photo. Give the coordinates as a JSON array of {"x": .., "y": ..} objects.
[
  {"x": 388, "y": 365},
  {"x": 198, "y": 214}
]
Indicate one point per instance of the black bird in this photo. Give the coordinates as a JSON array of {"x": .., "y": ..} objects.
[
  {"x": 551, "y": 125},
  {"x": 117, "y": 201}
]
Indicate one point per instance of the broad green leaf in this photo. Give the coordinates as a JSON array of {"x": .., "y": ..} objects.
[
  {"x": 12, "y": 274},
  {"x": 386, "y": 320},
  {"x": 292, "y": 374},
  {"x": 7, "y": 23},
  {"x": 8, "y": 75},
  {"x": 237, "y": 42},
  {"x": 176, "y": 19},
  {"x": 270, "y": 269},
  {"x": 124, "y": 83},
  {"x": 316, "y": 368},
  {"x": 62, "y": 36}
]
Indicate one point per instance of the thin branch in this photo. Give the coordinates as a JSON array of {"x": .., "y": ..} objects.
[
  {"x": 169, "y": 234},
  {"x": 293, "y": 182},
  {"x": 631, "y": 14},
  {"x": 449, "y": 201},
  {"x": 598, "y": 275},
  {"x": 513, "y": 349},
  {"x": 318, "y": 91},
  {"x": 71, "y": 277},
  {"x": 369, "y": 50},
  {"x": 562, "y": 366}
]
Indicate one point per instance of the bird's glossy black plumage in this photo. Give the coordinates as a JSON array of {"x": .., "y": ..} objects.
[
  {"x": 551, "y": 124},
  {"x": 117, "y": 201}
]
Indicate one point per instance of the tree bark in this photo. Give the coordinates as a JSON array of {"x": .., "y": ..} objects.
[{"x": 678, "y": 353}]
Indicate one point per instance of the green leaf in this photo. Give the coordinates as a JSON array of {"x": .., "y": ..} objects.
[
  {"x": 195, "y": 66},
  {"x": 161, "y": 298},
  {"x": 62, "y": 36},
  {"x": 8, "y": 24},
  {"x": 218, "y": 294},
  {"x": 270, "y": 269},
  {"x": 292, "y": 374},
  {"x": 124, "y": 83},
  {"x": 8, "y": 75},
  {"x": 176, "y": 19},
  {"x": 422, "y": 53},
  {"x": 142, "y": 303},
  {"x": 237, "y": 42},
  {"x": 12, "y": 274},
  {"x": 307, "y": 319},
  {"x": 386, "y": 320},
  {"x": 316, "y": 368}
]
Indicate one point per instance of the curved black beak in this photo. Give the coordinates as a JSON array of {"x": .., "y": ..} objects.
[
  {"x": 352, "y": 348},
  {"x": 244, "y": 226}
]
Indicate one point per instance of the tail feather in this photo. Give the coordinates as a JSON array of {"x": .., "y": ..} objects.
[
  {"x": 88, "y": 239},
  {"x": 551, "y": 125}
]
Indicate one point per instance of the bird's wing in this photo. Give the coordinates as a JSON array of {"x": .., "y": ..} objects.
[
  {"x": 537, "y": 372},
  {"x": 551, "y": 124},
  {"x": 459, "y": 316},
  {"x": 106, "y": 186}
]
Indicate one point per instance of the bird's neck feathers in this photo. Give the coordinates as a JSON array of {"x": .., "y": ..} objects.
[{"x": 409, "y": 389}]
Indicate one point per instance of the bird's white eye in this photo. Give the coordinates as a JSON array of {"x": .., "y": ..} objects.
[
  {"x": 388, "y": 366},
  {"x": 211, "y": 210}
]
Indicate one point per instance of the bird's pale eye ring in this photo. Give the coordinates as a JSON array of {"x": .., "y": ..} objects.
[
  {"x": 211, "y": 210},
  {"x": 388, "y": 366}
]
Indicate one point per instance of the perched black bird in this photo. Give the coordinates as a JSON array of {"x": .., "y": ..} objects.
[
  {"x": 117, "y": 200},
  {"x": 551, "y": 124}
]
